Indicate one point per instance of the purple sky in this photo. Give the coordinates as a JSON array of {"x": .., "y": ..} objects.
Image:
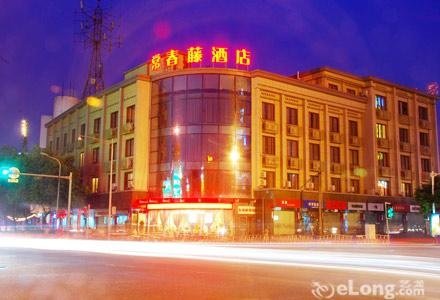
[{"x": 395, "y": 40}]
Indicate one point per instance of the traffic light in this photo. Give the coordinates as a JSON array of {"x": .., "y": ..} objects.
[
  {"x": 11, "y": 174},
  {"x": 389, "y": 211}
]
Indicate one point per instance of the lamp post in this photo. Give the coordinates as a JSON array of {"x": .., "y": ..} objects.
[
  {"x": 59, "y": 175},
  {"x": 433, "y": 174}
]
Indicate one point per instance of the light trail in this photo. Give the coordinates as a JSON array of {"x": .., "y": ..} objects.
[{"x": 383, "y": 263}]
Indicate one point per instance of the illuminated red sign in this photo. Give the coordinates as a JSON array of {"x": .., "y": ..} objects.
[{"x": 174, "y": 59}]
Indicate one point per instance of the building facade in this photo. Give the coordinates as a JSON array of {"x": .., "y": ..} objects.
[{"x": 215, "y": 150}]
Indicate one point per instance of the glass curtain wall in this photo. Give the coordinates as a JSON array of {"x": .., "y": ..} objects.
[{"x": 200, "y": 136}]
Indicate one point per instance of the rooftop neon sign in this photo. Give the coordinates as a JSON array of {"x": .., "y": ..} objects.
[{"x": 174, "y": 59}]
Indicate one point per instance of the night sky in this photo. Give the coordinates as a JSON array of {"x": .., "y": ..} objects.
[{"x": 40, "y": 54}]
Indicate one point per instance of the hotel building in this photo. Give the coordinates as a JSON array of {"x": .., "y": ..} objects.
[{"x": 215, "y": 149}]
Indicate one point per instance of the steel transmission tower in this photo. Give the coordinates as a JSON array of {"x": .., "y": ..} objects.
[{"x": 97, "y": 29}]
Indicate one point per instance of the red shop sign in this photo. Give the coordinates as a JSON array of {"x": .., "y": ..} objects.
[
  {"x": 336, "y": 204},
  {"x": 401, "y": 208}
]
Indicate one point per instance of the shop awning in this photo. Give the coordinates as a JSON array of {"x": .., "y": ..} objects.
[{"x": 336, "y": 204}]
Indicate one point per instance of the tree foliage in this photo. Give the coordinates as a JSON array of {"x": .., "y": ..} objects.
[
  {"x": 424, "y": 197},
  {"x": 16, "y": 198}
]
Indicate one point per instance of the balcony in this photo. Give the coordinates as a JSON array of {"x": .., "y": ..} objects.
[
  {"x": 405, "y": 147},
  {"x": 293, "y": 130},
  {"x": 127, "y": 163},
  {"x": 425, "y": 150},
  {"x": 107, "y": 166},
  {"x": 406, "y": 174},
  {"x": 293, "y": 163},
  {"x": 354, "y": 141},
  {"x": 270, "y": 127},
  {"x": 335, "y": 168},
  {"x": 426, "y": 176},
  {"x": 424, "y": 124},
  {"x": 335, "y": 137},
  {"x": 111, "y": 133},
  {"x": 314, "y": 134},
  {"x": 404, "y": 119},
  {"x": 315, "y": 165},
  {"x": 384, "y": 171},
  {"x": 383, "y": 115},
  {"x": 128, "y": 128},
  {"x": 269, "y": 161},
  {"x": 383, "y": 143}
]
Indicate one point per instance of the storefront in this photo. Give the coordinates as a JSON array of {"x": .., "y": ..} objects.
[
  {"x": 415, "y": 221},
  {"x": 309, "y": 217},
  {"x": 333, "y": 220},
  {"x": 284, "y": 216},
  {"x": 375, "y": 215},
  {"x": 355, "y": 218}
]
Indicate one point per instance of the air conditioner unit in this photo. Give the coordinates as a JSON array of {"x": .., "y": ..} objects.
[
  {"x": 354, "y": 140},
  {"x": 270, "y": 127},
  {"x": 316, "y": 165},
  {"x": 129, "y": 126},
  {"x": 128, "y": 163},
  {"x": 130, "y": 185},
  {"x": 292, "y": 130},
  {"x": 263, "y": 182},
  {"x": 335, "y": 137},
  {"x": 293, "y": 162},
  {"x": 289, "y": 184},
  {"x": 114, "y": 187},
  {"x": 315, "y": 134}
]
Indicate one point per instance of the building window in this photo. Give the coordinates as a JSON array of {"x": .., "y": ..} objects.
[
  {"x": 314, "y": 182},
  {"x": 95, "y": 184},
  {"x": 426, "y": 165},
  {"x": 404, "y": 135},
  {"x": 335, "y": 184},
  {"x": 96, "y": 125},
  {"x": 314, "y": 120},
  {"x": 291, "y": 116},
  {"x": 314, "y": 152},
  {"x": 333, "y": 86},
  {"x": 384, "y": 187},
  {"x": 381, "y": 102},
  {"x": 113, "y": 184},
  {"x": 82, "y": 130},
  {"x": 292, "y": 181},
  {"x": 57, "y": 144},
  {"x": 353, "y": 128},
  {"x": 335, "y": 155},
  {"x": 423, "y": 113},
  {"x": 292, "y": 148},
  {"x": 64, "y": 141},
  {"x": 115, "y": 150},
  {"x": 114, "y": 120},
  {"x": 424, "y": 139},
  {"x": 334, "y": 124},
  {"x": 50, "y": 146},
  {"x": 95, "y": 155},
  {"x": 73, "y": 136},
  {"x": 407, "y": 189},
  {"x": 403, "y": 108},
  {"x": 354, "y": 186},
  {"x": 81, "y": 159},
  {"x": 130, "y": 114},
  {"x": 129, "y": 147},
  {"x": 268, "y": 111},
  {"x": 128, "y": 181},
  {"x": 383, "y": 159},
  {"x": 354, "y": 157},
  {"x": 268, "y": 145},
  {"x": 270, "y": 179},
  {"x": 405, "y": 162},
  {"x": 381, "y": 131},
  {"x": 351, "y": 92}
]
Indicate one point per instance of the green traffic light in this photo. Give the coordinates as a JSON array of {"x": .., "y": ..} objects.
[
  {"x": 390, "y": 212},
  {"x": 5, "y": 172}
]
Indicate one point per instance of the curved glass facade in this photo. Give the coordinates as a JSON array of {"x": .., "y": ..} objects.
[{"x": 200, "y": 136}]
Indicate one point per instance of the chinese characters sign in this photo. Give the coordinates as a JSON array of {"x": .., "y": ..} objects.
[{"x": 175, "y": 59}]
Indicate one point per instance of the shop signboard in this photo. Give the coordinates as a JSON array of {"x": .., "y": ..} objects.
[
  {"x": 310, "y": 204},
  {"x": 401, "y": 208},
  {"x": 287, "y": 203},
  {"x": 375, "y": 206},
  {"x": 414, "y": 208},
  {"x": 435, "y": 225},
  {"x": 246, "y": 210},
  {"x": 357, "y": 206},
  {"x": 336, "y": 204}
]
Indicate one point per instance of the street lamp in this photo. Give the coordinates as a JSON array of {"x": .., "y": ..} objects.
[
  {"x": 433, "y": 174},
  {"x": 110, "y": 187},
  {"x": 59, "y": 175}
]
